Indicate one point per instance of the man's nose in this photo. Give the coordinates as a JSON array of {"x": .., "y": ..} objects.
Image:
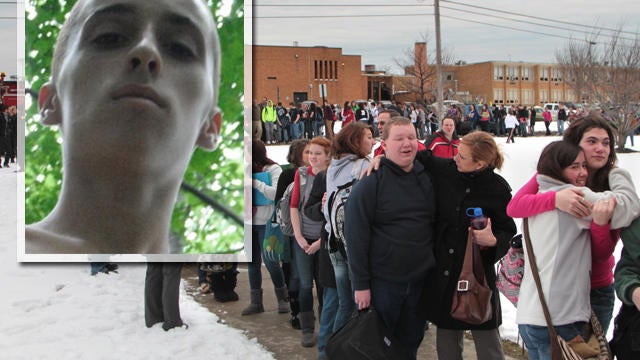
[{"x": 145, "y": 55}]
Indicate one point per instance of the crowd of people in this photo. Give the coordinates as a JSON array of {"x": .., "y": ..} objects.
[
  {"x": 405, "y": 228},
  {"x": 279, "y": 124}
]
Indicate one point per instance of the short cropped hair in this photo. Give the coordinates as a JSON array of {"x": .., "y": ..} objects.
[
  {"x": 74, "y": 20},
  {"x": 394, "y": 121}
]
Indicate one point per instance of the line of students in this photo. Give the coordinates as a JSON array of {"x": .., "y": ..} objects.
[{"x": 391, "y": 218}]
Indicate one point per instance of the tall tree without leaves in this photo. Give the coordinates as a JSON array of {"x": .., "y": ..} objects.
[
  {"x": 421, "y": 73},
  {"x": 604, "y": 72}
]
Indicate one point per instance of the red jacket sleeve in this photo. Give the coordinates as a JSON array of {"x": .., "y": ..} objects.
[{"x": 603, "y": 241}]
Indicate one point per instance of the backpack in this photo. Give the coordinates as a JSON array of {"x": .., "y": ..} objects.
[
  {"x": 283, "y": 116},
  {"x": 283, "y": 211},
  {"x": 337, "y": 201},
  {"x": 511, "y": 270}
]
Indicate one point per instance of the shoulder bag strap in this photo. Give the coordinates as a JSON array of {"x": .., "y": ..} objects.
[{"x": 536, "y": 276}]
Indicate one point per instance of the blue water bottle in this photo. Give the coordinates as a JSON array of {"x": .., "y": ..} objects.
[{"x": 478, "y": 220}]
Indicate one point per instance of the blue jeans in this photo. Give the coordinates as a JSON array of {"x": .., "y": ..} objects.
[
  {"x": 537, "y": 340},
  {"x": 329, "y": 309},
  {"x": 523, "y": 129},
  {"x": 560, "y": 127},
  {"x": 602, "y": 300},
  {"x": 306, "y": 266},
  {"x": 300, "y": 128},
  {"x": 284, "y": 133},
  {"x": 317, "y": 128},
  {"x": 255, "y": 266},
  {"x": 343, "y": 284},
  {"x": 397, "y": 304}
]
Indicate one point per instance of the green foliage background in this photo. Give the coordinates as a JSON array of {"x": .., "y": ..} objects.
[{"x": 218, "y": 174}]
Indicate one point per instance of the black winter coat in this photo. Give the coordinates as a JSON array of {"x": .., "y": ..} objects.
[{"x": 455, "y": 192}]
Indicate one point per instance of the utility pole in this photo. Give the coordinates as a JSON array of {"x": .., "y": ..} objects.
[{"x": 441, "y": 111}]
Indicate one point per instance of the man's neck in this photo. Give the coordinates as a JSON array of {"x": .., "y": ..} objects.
[{"x": 125, "y": 215}]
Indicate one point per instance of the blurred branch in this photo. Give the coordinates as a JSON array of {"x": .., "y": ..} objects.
[{"x": 212, "y": 202}]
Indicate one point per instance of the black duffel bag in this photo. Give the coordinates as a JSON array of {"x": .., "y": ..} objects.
[{"x": 365, "y": 336}]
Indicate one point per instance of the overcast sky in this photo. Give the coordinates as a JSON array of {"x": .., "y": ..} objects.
[
  {"x": 381, "y": 31},
  {"x": 8, "y": 39}
]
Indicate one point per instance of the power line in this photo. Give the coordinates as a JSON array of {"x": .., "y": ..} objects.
[
  {"x": 337, "y": 16},
  {"x": 341, "y": 5},
  {"x": 369, "y": 15},
  {"x": 523, "y": 21},
  {"x": 507, "y": 27},
  {"x": 475, "y": 6}
]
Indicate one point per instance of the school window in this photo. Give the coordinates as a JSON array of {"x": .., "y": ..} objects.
[
  {"x": 315, "y": 69},
  {"x": 498, "y": 96},
  {"x": 326, "y": 69},
  {"x": 544, "y": 96},
  {"x": 556, "y": 74},
  {"x": 556, "y": 96},
  {"x": 331, "y": 70},
  {"x": 527, "y": 96},
  {"x": 527, "y": 73},
  {"x": 571, "y": 96},
  {"x": 335, "y": 66},
  {"x": 512, "y": 96},
  {"x": 512, "y": 73},
  {"x": 498, "y": 72},
  {"x": 544, "y": 74}
]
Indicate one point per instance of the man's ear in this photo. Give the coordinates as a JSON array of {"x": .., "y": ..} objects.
[
  {"x": 210, "y": 131},
  {"x": 48, "y": 105}
]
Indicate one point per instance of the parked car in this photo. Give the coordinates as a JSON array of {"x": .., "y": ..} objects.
[{"x": 553, "y": 107}]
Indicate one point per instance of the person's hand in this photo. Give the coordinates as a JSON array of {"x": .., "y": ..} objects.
[
  {"x": 302, "y": 242},
  {"x": 313, "y": 248},
  {"x": 572, "y": 201},
  {"x": 635, "y": 296},
  {"x": 603, "y": 210},
  {"x": 324, "y": 198},
  {"x": 485, "y": 236},
  {"x": 362, "y": 298},
  {"x": 375, "y": 165}
]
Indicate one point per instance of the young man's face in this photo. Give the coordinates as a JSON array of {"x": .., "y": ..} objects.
[
  {"x": 401, "y": 146},
  {"x": 136, "y": 83}
]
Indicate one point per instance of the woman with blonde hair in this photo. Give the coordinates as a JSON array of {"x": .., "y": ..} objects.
[{"x": 467, "y": 181}]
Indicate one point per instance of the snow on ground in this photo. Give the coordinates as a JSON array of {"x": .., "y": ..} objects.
[
  {"x": 59, "y": 311},
  {"x": 520, "y": 163},
  {"x": 55, "y": 311}
]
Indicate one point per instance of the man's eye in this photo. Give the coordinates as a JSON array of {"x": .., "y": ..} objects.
[
  {"x": 181, "y": 51},
  {"x": 109, "y": 39}
]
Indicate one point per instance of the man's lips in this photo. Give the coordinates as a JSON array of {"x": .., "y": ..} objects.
[{"x": 141, "y": 92}]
